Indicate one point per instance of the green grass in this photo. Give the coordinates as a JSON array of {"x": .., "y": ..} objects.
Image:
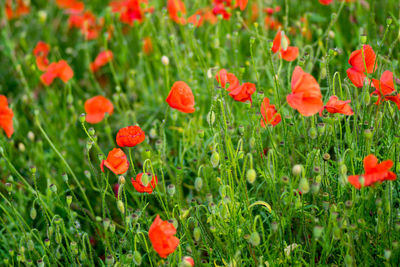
[{"x": 221, "y": 218}]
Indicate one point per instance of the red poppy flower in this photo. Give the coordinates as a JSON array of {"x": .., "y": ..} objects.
[
  {"x": 288, "y": 53},
  {"x": 325, "y": 2},
  {"x": 269, "y": 114},
  {"x": 220, "y": 9},
  {"x": 161, "y": 234},
  {"x": 102, "y": 59},
  {"x": 16, "y": 10},
  {"x": 6, "y": 116},
  {"x": 130, "y": 10},
  {"x": 71, "y": 5},
  {"x": 271, "y": 23},
  {"x": 201, "y": 16},
  {"x": 241, "y": 4},
  {"x": 306, "y": 95},
  {"x": 385, "y": 89},
  {"x": 59, "y": 69},
  {"x": 334, "y": 105},
  {"x": 374, "y": 172},
  {"x": 147, "y": 46},
  {"x": 356, "y": 73},
  {"x": 223, "y": 77},
  {"x": 177, "y": 11},
  {"x": 96, "y": 108},
  {"x": 181, "y": 97},
  {"x": 41, "y": 51},
  {"x": 243, "y": 93},
  {"x": 116, "y": 161},
  {"x": 139, "y": 185},
  {"x": 130, "y": 136},
  {"x": 89, "y": 25}
]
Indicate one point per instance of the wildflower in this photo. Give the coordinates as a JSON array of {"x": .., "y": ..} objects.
[
  {"x": 220, "y": 9},
  {"x": 165, "y": 60},
  {"x": 306, "y": 95},
  {"x": 161, "y": 234},
  {"x": 147, "y": 45},
  {"x": 356, "y": 73},
  {"x": 334, "y": 105},
  {"x": 59, "y": 69},
  {"x": 281, "y": 45},
  {"x": 102, "y": 59},
  {"x": 116, "y": 161},
  {"x": 374, "y": 172},
  {"x": 241, "y": 4},
  {"x": 223, "y": 77},
  {"x": 202, "y": 15},
  {"x": 272, "y": 23},
  {"x": 385, "y": 89},
  {"x": 6, "y": 116},
  {"x": 72, "y": 6},
  {"x": 16, "y": 10},
  {"x": 130, "y": 136},
  {"x": 87, "y": 22},
  {"x": 41, "y": 51},
  {"x": 181, "y": 97},
  {"x": 130, "y": 10},
  {"x": 269, "y": 114},
  {"x": 187, "y": 261},
  {"x": 177, "y": 11},
  {"x": 243, "y": 93},
  {"x": 96, "y": 108},
  {"x": 325, "y": 2},
  {"x": 142, "y": 183}
]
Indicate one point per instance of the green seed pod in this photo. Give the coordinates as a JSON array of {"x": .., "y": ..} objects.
[
  {"x": 47, "y": 242},
  {"x": 40, "y": 263},
  {"x": 120, "y": 206},
  {"x": 313, "y": 133},
  {"x": 255, "y": 239},
  {"x": 112, "y": 228},
  {"x": 198, "y": 183},
  {"x": 274, "y": 226},
  {"x": 9, "y": 187},
  {"x": 171, "y": 189},
  {"x": 368, "y": 134},
  {"x": 196, "y": 234},
  {"x": 53, "y": 188},
  {"x": 304, "y": 186},
  {"x": 321, "y": 128},
  {"x": 82, "y": 117},
  {"x": 69, "y": 201},
  {"x": 137, "y": 258},
  {"x": 33, "y": 213},
  {"x": 214, "y": 159},
  {"x": 315, "y": 188},
  {"x": 110, "y": 260},
  {"x": 251, "y": 176}
]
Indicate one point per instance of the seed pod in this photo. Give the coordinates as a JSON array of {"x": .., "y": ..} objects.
[
  {"x": 251, "y": 176},
  {"x": 30, "y": 245},
  {"x": 112, "y": 228},
  {"x": 171, "y": 189},
  {"x": 214, "y": 159},
  {"x": 82, "y": 117},
  {"x": 318, "y": 231},
  {"x": 53, "y": 188},
  {"x": 109, "y": 260}
]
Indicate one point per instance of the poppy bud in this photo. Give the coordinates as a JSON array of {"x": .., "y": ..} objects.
[
  {"x": 214, "y": 159},
  {"x": 251, "y": 176},
  {"x": 91, "y": 131},
  {"x": 69, "y": 200},
  {"x": 318, "y": 231},
  {"x": 30, "y": 245},
  {"x": 315, "y": 188},
  {"x": 211, "y": 117},
  {"x": 318, "y": 179},
  {"x": 198, "y": 183},
  {"x": 321, "y": 128},
  {"x": 112, "y": 228},
  {"x": 184, "y": 213},
  {"x": 31, "y": 136},
  {"x": 106, "y": 223},
  {"x": 159, "y": 145},
  {"x": 368, "y": 134},
  {"x": 174, "y": 222},
  {"x": 40, "y": 263},
  {"x": 366, "y": 98},
  {"x": 255, "y": 239},
  {"x": 137, "y": 258},
  {"x": 363, "y": 38},
  {"x": 82, "y": 117},
  {"x": 165, "y": 60},
  {"x": 297, "y": 169},
  {"x": 187, "y": 261},
  {"x": 323, "y": 73},
  {"x": 304, "y": 186},
  {"x": 33, "y": 213},
  {"x": 121, "y": 180},
  {"x": 389, "y": 20},
  {"x": 196, "y": 234},
  {"x": 8, "y": 187},
  {"x": 274, "y": 226},
  {"x": 171, "y": 189},
  {"x": 348, "y": 260},
  {"x": 284, "y": 41},
  {"x": 331, "y": 34},
  {"x": 47, "y": 242},
  {"x": 312, "y": 133},
  {"x": 120, "y": 206}
]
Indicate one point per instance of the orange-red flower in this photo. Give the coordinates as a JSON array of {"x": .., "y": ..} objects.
[
  {"x": 87, "y": 22},
  {"x": 241, "y": 4},
  {"x": 6, "y": 116},
  {"x": 243, "y": 93},
  {"x": 74, "y": 6},
  {"x": 41, "y": 51},
  {"x": 181, "y": 97},
  {"x": 102, "y": 59},
  {"x": 306, "y": 95},
  {"x": 281, "y": 45},
  {"x": 374, "y": 172},
  {"x": 144, "y": 186},
  {"x": 224, "y": 77},
  {"x": 177, "y": 11},
  {"x": 202, "y": 15},
  {"x": 130, "y": 136},
  {"x": 147, "y": 45},
  {"x": 130, "y": 10},
  {"x": 356, "y": 73},
  {"x": 385, "y": 89},
  {"x": 269, "y": 114},
  {"x": 334, "y": 105},
  {"x": 59, "y": 69},
  {"x": 325, "y": 2},
  {"x": 116, "y": 161},
  {"x": 161, "y": 234},
  {"x": 96, "y": 108},
  {"x": 16, "y": 10}
]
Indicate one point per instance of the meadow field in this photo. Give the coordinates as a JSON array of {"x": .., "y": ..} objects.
[{"x": 199, "y": 133}]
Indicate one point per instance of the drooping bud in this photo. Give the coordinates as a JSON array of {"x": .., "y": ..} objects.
[{"x": 251, "y": 176}]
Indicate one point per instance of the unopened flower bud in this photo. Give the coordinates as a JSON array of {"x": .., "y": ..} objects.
[
  {"x": 120, "y": 206},
  {"x": 214, "y": 159},
  {"x": 196, "y": 234},
  {"x": 165, "y": 60},
  {"x": 211, "y": 117},
  {"x": 33, "y": 213},
  {"x": 297, "y": 169},
  {"x": 251, "y": 176},
  {"x": 198, "y": 183},
  {"x": 82, "y": 117},
  {"x": 312, "y": 133},
  {"x": 171, "y": 189},
  {"x": 304, "y": 186},
  {"x": 255, "y": 239},
  {"x": 318, "y": 231},
  {"x": 137, "y": 258}
]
